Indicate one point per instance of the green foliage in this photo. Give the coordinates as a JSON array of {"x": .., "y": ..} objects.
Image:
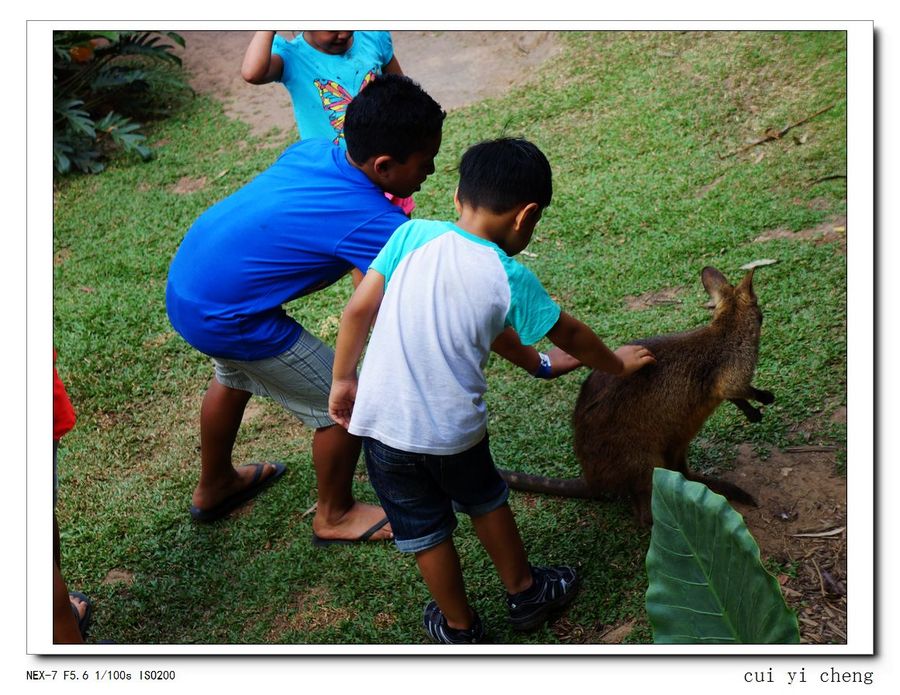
[
  {"x": 102, "y": 81},
  {"x": 707, "y": 584}
]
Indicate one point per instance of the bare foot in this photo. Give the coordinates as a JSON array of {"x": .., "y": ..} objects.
[
  {"x": 353, "y": 524},
  {"x": 209, "y": 496}
]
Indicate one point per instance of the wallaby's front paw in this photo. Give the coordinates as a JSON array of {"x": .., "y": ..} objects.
[
  {"x": 765, "y": 397},
  {"x": 751, "y": 413}
]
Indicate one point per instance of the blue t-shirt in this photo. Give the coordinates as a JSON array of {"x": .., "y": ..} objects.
[
  {"x": 321, "y": 84},
  {"x": 297, "y": 227}
]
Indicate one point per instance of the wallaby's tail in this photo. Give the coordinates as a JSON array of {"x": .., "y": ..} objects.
[
  {"x": 568, "y": 487},
  {"x": 726, "y": 489}
]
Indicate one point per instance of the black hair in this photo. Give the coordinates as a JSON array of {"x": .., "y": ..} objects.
[
  {"x": 391, "y": 116},
  {"x": 500, "y": 174}
]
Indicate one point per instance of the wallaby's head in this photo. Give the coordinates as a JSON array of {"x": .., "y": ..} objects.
[{"x": 736, "y": 309}]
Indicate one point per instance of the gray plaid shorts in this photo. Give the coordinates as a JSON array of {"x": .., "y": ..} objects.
[{"x": 299, "y": 378}]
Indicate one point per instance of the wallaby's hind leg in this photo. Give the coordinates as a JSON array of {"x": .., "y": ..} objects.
[
  {"x": 734, "y": 493},
  {"x": 677, "y": 461},
  {"x": 642, "y": 486},
  {"x": 643, "y": 516},
  {"x": 641, "y": 495}
]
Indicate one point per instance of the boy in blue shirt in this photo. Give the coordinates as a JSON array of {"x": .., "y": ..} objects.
[
  {"x": 298, "y": 227},
  {"x": 443, "y": 293}
]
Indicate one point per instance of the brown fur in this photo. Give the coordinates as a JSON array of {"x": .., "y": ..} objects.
[{"x": 626, "y": 427}]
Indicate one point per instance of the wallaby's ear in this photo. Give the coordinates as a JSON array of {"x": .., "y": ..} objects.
[
  {"x": 746, "y": 285},
  {"x": 714, "y": 282}
]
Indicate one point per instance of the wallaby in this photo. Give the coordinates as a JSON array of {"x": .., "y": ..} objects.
[{"x": 626, "y": 427}]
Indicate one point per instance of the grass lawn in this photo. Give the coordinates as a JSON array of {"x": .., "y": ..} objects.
[{"x": 637, "y": 126}]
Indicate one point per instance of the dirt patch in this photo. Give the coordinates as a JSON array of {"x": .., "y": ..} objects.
[
  {"x": 159, "y": 340},
  {"x": 668, "y": 295},
  {"x": 457, "y": 68},
  {"x": 800, "y": 526},
  {"x": 818, "y": 203},
  {"x": 309, "y": 612},
  {"x": 119, "y": 577},
  {"x": 61, "y": 257},
  {"x": 252, "y": 411},
  {"x": 829, "y": 232},
  {"x": 187, "y": 185},
  {"x": 327, "y": 328},
  {"x": 385, "y": 620},
  {"x": 568, "y": 632},
  {"x": 264, "y": 414},
  {"x": 462, "y": 67},
  {"x": 617, "y": 633}
]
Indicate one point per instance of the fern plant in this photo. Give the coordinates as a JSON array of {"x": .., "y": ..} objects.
[{"x": 102, "y": 82}]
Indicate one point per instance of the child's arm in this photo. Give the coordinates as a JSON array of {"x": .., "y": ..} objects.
[
  {"x": 509, "y": 347},
  {"x": 574, "y": 337},
  {"x": 355, "y": 324},
  {"x": 392, "y": 68},
  {"x": 260, "y": 66}
]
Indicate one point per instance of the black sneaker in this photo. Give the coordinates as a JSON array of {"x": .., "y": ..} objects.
[
  {"x": 553, "y": 589},
  {"x": 435, "y": 625}
]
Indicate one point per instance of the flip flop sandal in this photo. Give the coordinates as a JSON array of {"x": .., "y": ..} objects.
[
  {"x": 323, "y": 542},
  {"x": 228, "y": 505},
  {"x": 84, "y": 621}
]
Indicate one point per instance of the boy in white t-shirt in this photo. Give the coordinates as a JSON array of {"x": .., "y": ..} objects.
[{"x": 443, "y": 293}]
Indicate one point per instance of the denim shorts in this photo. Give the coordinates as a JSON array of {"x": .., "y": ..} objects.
[
  {"x": 299, "y": 378},
  {"x": 421, "y": 492}
]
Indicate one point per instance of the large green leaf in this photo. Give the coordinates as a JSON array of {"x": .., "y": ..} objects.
[
  {"x": 707, "y": 585},
  {"x": 116, "y": 77},
  {"x": 75, "y": 116},
  {"x": 147, "y": 44}
]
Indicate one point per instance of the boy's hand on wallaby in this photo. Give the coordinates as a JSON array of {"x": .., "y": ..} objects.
[
  {"x": 633, "y": 358},
  {"x": 561, "y": 362},
  {"x": 341, "y": 400}
]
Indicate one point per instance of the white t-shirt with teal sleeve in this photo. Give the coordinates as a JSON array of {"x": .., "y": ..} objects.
[
  {"x": 321, "y": 84},
  {"x": 448, "y": 295}
]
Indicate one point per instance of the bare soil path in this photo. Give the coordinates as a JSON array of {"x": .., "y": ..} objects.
[{"x": 455, "y": 67}]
